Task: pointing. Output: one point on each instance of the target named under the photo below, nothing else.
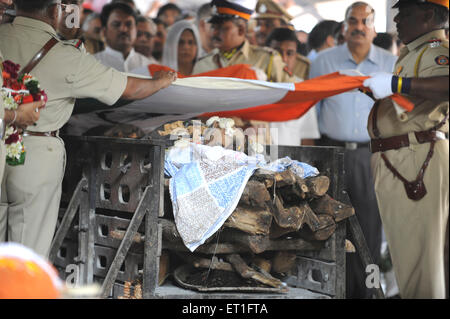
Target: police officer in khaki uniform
(31, 192)
(25, 115)
(410, 150)
(269, 16)
(229, 24)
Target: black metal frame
(142, 172)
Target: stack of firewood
(279, 214)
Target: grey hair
(358, 4)
(204, 12)
(141, 19)
(88, 20)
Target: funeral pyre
(277, 213)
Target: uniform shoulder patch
(77, 43)
(434, 43)
(285, 69)
(441, 60)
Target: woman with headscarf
(181, 49)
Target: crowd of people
(97, 59)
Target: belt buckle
(351, 146)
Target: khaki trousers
(2, 158)
(415, 230)
(31, 194)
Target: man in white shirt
(119, 26)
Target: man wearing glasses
(343, 121)
(146, 32)
(31, 192)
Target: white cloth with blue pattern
(207, 184)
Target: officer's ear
(428, 15)
(55, 14)
(103, 32)
(242, 28)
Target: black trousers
(359, 186)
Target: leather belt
(326, 141)
(47, 134)
(396, 142)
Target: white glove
(351, 72)
(380, 84)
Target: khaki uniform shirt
(2, 142)
(2, 108)
(265, 59)
(301, 69)
(67, 72)
(421, 58)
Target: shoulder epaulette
(207, 55)
(265, 49)
(303, 59)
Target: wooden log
(291, 218)
(301, 184)
(120, 234)
(283, 261)
(262, 174)
(246, 272)
(280, 179)
(326, 229)
(327, 205)
(255, 194)
(164, 267)
(291, 195)
(199, 262)
(285, 178)
(207, 249)
(262, 264)
(253, 221)
(310, 217)
(277, 231)
(317, 186)
(259, 244)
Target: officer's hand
(380, 84)
(29, 113)
(165, 78)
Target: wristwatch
(2, 129)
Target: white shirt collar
(119, 54)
